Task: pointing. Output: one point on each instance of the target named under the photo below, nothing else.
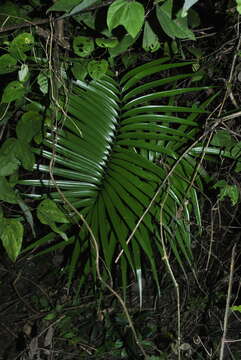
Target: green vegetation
(112, 134)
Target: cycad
(113, 151)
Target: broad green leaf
(7, 64)
(173, 28)
(63, 5)
(24, 153)
(106, 43)
(83, 45)
(130, 14)
(43, 82)
(48, 213)
(150, 39)
(23, 74)
(21, 43)
(6, 192)
(12, 237)
(13, 91)
(29, 126)
(97, 68)
(187, 5)
(181, 28)
(79, 69)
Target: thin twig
(227, 308)
(175, 283)
(228, 92)
(27, 23)
(21, 298)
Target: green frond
(113, 152)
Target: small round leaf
(48, 213)
(83, 46)
(23, 42)
(97, 69)
(79, 70)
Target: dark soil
(40, 319)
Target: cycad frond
(114, 150)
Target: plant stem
(227, 308)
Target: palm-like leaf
(114, 150)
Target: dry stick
(166, 259)
(211, 239)
(227, 310)
(94, 241)
(228, 92)
(191, 185)
(27, 23)
(20, 297)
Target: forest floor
(40, 319)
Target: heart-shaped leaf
(83, 45)
(97, 69)
(130, 14)
(13, 91)
(11, 234)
